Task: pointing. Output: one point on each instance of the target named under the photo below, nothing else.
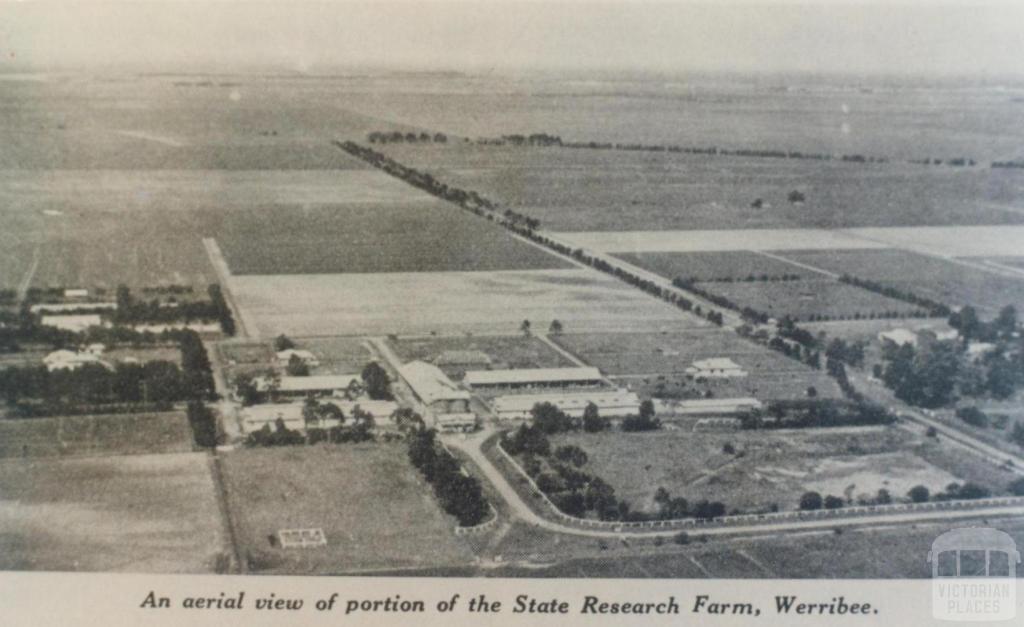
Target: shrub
(681, 538)
(810, 501)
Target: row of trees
(518, 223)
(469, 200)
(398, 137)
(458, 493)
(932, 307)
(816, 412)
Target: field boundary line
(26, 281)
(227, 519)
(831, 275)
(220, 266)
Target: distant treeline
(398, 137)
(544, 139)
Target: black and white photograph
(516, 290)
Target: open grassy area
(370, 239)
(768, 468)
(115, 434)
(140, 513)
(512, 351)
(713, 265)
(608, 190)
(373, 508)
(447, 303)
(654, 363)
(943, 280)
(804, 300)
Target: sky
(908, 37)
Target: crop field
(645, 361)
(734, 265)
(364, 497)
(129, 191)
(516, 351)
(768, 468)
(943, 280)
(332, 239)
(807, 300)
(140, 513)
(447, 303)
(614, 190)
(114, 434)
(169, 122)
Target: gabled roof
(430, 384)
(716, 363)
(320, 383)
(531, 375)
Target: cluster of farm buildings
(503, 394)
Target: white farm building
(445, 401)
(716, 368)
(610, 403)
(520, 378)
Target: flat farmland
(515, 351)
(943, 280)
(615, 190)
(806, 300)
(796, 114)
(447, 303)
(127, 191)
(643, 361)
(713, 265)
(364, 497)
(770, 468)
(718, 240)
(114, 434)
(378, 239)
(104, 248)
(174, 122)
(142, 513)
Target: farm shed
(610, 404)
(73, 323)
(716, 368)
(323, 385)
(534, 378)
(714, 406)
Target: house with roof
(716, 368)
(899, 337)
(284, 357)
